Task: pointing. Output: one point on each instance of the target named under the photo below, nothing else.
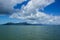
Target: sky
(30, 11)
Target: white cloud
(30, 13)
(38, 18)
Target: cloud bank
(30, 13)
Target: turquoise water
(29, 32)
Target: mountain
(23, 23)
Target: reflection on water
(29, 32)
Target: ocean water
(29, 32)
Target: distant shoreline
(24, 23)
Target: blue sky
(52, 9)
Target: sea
(29, 32)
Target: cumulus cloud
(30, 13)
(38, 18)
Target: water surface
(29, 32)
